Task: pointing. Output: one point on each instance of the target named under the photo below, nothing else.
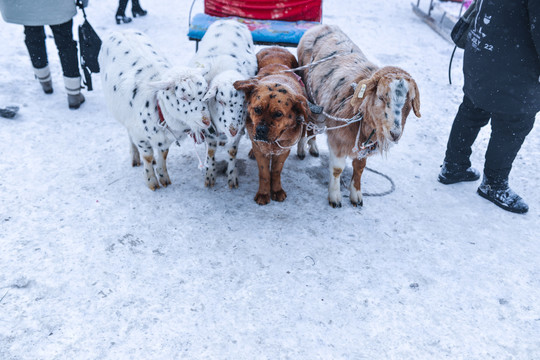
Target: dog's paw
(355, 196)
(152, 184)
(314, 152)
(164, 180)
(136, 162)
(279, 195)
(262, 199)
(210, 181)
(334, 199)
(301, 156)
(233, 182)
(357, 203)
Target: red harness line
(161, 118)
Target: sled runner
(439, 18)
(278, 22)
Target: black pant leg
(508, 132)
(122, 8)
(67, 48)
(467, 124)
(34, 38)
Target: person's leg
(35, 43)
(67, 50)
(508, 132)
(136, 9)
(467, 124)
(121, 12)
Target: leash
(384, 193)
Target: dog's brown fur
(277, 109)
(329, 85)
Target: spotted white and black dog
(156, 102)
(226, 54)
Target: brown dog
(277, 108)
(348, 85)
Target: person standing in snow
(58, 14)
(501, 68)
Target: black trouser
(67, 47)
(123, 4)
(508, 131)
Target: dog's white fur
(135, 80)
(226, 54)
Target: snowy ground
(93, 265)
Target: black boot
(453, 173)
(501, 195)
(121, 17)
(136, 9)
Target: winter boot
(136, 9)
(73, 89)
(502, 196)
(453, 173)
(44, 77)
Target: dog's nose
(261, 132)
(395, 135)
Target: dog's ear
(414, 95)
(301, 109)
(363, 89)
(211, 93)
(162, 85)
(247, 86)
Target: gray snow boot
(73, 89)
(502, 196)
(44, 77)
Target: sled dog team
(226, 88)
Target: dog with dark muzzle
(277, 108)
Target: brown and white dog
(347, 85)
(277, 109)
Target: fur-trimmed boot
(44, 77)
(73, 89)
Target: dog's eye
(258, 110)
(381, 98)
(278, 114)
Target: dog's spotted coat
(135, 80)
(225, 55)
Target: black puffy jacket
(502, 57)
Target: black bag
(89, 46)
(461, 28)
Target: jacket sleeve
(534, 20)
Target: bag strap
(470, 12)
(80, 5)
(87, 78)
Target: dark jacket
(502, 57)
